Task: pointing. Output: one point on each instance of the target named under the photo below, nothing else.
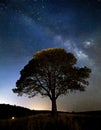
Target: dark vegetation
(7, 111)
(26, 119)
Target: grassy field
(63, 121)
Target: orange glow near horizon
(40, 106)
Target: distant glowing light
(87, 44)
(13, 118)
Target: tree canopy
(52, 73)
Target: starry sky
(27, 26)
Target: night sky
(27, 26)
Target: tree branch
(48, 93)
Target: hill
(8, 111)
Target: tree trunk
(54, 106)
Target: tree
(52, 73)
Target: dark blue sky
(27, 26)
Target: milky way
(27, 26)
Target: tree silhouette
(52, 73)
